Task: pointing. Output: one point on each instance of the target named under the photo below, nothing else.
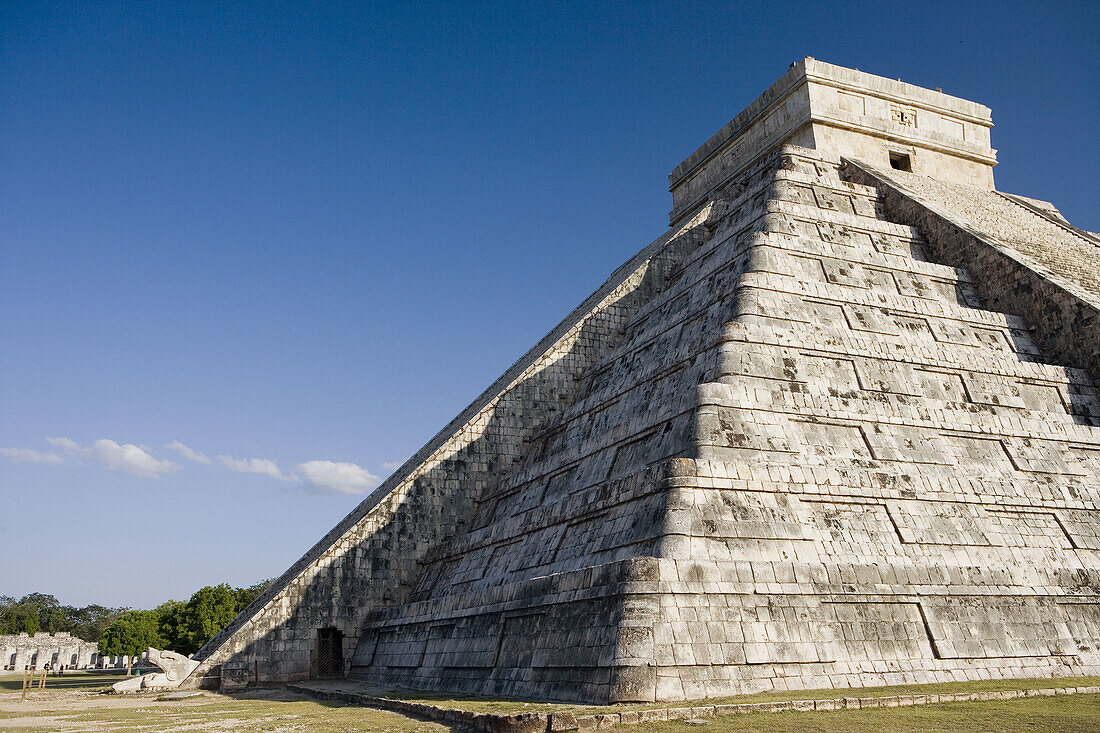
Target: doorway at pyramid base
(694, 622)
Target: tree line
(36, 612)
(177, 625)
(182, 626)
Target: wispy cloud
(344, 478)
(26, 455)
(261, 466)
(69, 446)
(137, 460)
(133, 459)
(187, 452)
(392, 466)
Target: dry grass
(279, 711)
(271, 710)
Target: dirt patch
(38, 722)
(273, 710)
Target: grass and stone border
(475, 716)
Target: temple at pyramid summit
(839, 426)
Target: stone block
(563, 721)
(235, 675)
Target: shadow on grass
(13, 682)
(508, 706)
(281, 694)
(1064, 714)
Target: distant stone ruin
(838, 427)
(22, 651)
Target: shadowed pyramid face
(808, 438)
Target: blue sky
(252, 256)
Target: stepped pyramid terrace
(839, 426)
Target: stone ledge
(569, 721)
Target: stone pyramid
(838, 427)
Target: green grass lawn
(1064, 714)
(495, 705)
(279, 711)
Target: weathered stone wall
(892, 483)
(370, 560)
(847, 112)
(876, 466)
(1028, 264)
(19, 651)
(822, 434)
(587, 497)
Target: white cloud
(135, 460)
(69, 446)
(130, 458)
(26, 455)
(188, 452)
(392, 466)
(345, 478)
(260, 466)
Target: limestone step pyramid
(838, 427)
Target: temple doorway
(330, 652)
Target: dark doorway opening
(330, 653)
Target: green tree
(32, 613)
(89, 622)
(7, 615)
(51, 616)
(207, 612)
(42, 612)
(249, 594)
(181, 627)
(26, 619)
(172, 620)
(131, 634)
